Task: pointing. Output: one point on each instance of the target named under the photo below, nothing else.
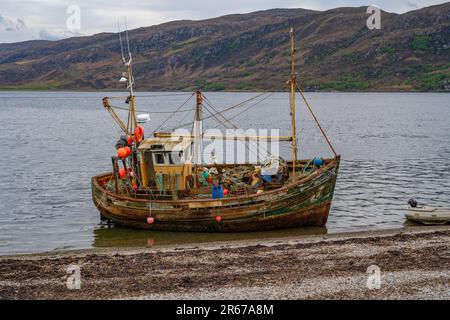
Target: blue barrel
(220, 192)
(214, 192)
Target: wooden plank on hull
(205, 204)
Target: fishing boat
(162, 182)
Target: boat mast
(197, 132)
(294, 131)
(132, 113)
(132, 122)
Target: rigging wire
(120, 40)
(173, 113)
(217, 113)
(96, 98)
(221, 123)
(128, 40)
(156, 112)
(315, 119)
(251, 106)
(225, 110)
(187, 112)
(236, 127)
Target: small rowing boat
(428, 215)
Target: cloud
(57, 34)
(47, 19)
(11, 24)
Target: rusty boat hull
(305, 202)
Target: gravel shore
(414, 263)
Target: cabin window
(159, 158)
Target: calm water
(394, 146)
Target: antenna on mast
(130, 60)
(128, 41)
(120, 40)
(128, 77)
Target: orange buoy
(150, 220)
(138, 134)
(218, 218)
(122, 173)
(209, 180)
(128, 150)
(122, 153)
(225, 192)
(130, 140)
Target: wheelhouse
(165, 162)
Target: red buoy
(128, 150)
(150, 220)
(138, 134)
(135, 186)
(122, 173)
(225, 192)
(130, 140)
(218, 218)
(122, 153)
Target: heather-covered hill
(336, 51)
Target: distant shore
(413, 262)
(3, 89)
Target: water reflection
(116, 236)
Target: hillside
(336, 51)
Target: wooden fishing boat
(164, 185)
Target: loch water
(394, 146)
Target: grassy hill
(336, 51)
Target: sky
(22, 20)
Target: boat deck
(304, 168)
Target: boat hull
(429, 216)
(305, 202)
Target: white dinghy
(427, 215)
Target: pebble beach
(413, 263)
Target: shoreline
(239, 243)
(215, 91)
(414, 264)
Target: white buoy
(143, 118)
